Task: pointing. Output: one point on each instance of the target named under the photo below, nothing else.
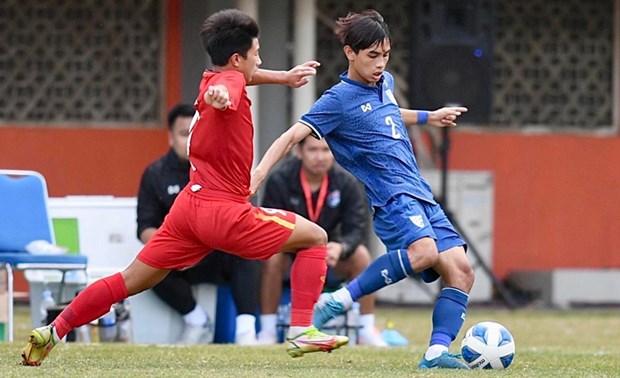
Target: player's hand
(334, 250)
(218, 97)
(256, 180)
(299, 75)
(445, 117)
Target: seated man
(312, 186)
(161, 183)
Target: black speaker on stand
(452, 55)
(452, 65)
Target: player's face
(177, 136)
(367, 65)
(250, 63)
(316, 157)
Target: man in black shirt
(312, 186)
(161, 183)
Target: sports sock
(367, 321)
(435, 351)
(196, 317)
(268, 323)
(245, 323)
(385, 270)
(448, 315)
(90, 304)
(295, 331)
(343, 296)
(307, 279)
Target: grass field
(579, 343)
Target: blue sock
(387, 269)
(448, 315)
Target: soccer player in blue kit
(366, 131)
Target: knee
(463, 272)
(466, 276)
(320, 236)
(461, 278)
(457, 271)
(423, 254)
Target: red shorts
(199, 223)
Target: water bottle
(353, 322)
(46, 303)
(107, 326)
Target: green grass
(580, 343)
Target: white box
(564, 288)
(154, 322)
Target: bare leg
(272, 275)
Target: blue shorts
(406, 219)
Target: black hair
(179, 110)
(228, 32)
(362, 30)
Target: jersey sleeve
(325, 115)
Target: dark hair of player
(362, 30)
(228, 32)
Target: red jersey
(220, 144)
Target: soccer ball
(488, 345)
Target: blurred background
(533, 166)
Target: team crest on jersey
(333, 199)
(417, 220)
(390, 95)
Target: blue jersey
(364, 129)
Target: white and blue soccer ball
(488, 345)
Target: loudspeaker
(452, 56)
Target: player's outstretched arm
(295, 77)
(439, 118)
(278, 149)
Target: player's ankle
(343, 296)
(435, 351)
(295, 331)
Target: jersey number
(390, 122)
(274, 211)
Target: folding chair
(24, 218)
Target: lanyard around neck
(314, 212)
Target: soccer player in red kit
(213, 210)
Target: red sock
(90, 304)
(307, 280)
